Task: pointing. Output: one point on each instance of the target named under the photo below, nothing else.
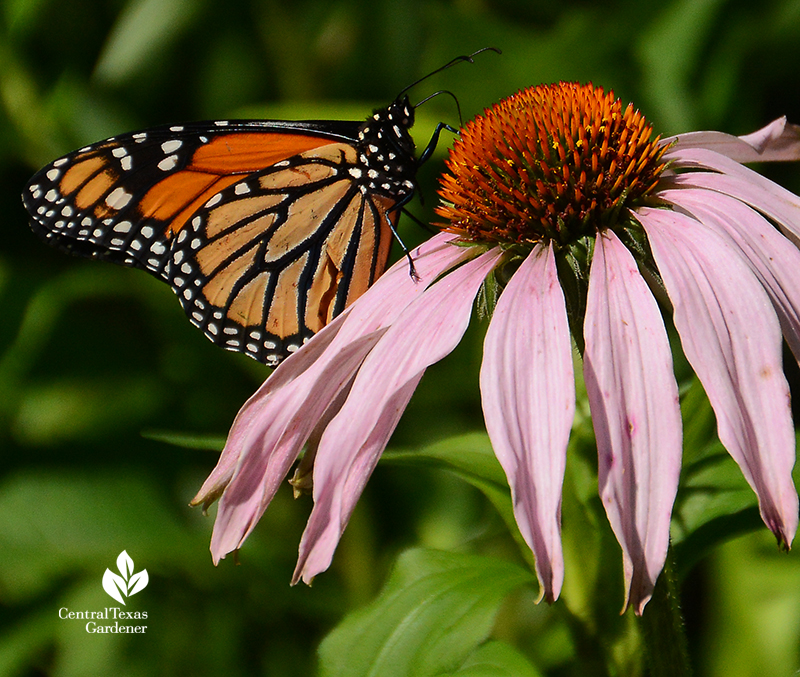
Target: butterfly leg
(424, 157)
(429, 149)
(412, 271)
(426, 154)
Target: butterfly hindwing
(269, 260)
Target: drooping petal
(275, 423)
(778, 141)
(528, 396)
(248, 415)
(281, 425)
(774, 259)
(740, 182)
(731, 337)
(426, 331)
(633, 398)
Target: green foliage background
(96, 362)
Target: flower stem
(663, 628)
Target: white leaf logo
(126, 583)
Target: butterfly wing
(261, 228)
(112, 199)
(272, 258)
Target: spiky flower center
(551, 163)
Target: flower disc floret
(553, 163)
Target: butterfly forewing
(265, 230)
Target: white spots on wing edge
(214, 200)
(171, 146)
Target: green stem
(663, 628)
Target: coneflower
(573, 214)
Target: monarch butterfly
(265, 229)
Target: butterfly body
(265, 230)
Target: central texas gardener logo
(126, 583)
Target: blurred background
(98, 363)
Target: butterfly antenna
(452, 62)
(454, 97)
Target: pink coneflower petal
(740, 182)
(774, 259)
(528, 395)
(731, 337)
(635, 411)
(426, 331)
(277, 421)
(249, 416)
(284, 423)
(777, 141)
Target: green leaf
(436, 608)
(699, 423)
(141, 33)
(496, 659)
(472, 458)
(469, 455)
(714, 504)
(670, 51)
(186, 440)
(20, 14)
(73, 409)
